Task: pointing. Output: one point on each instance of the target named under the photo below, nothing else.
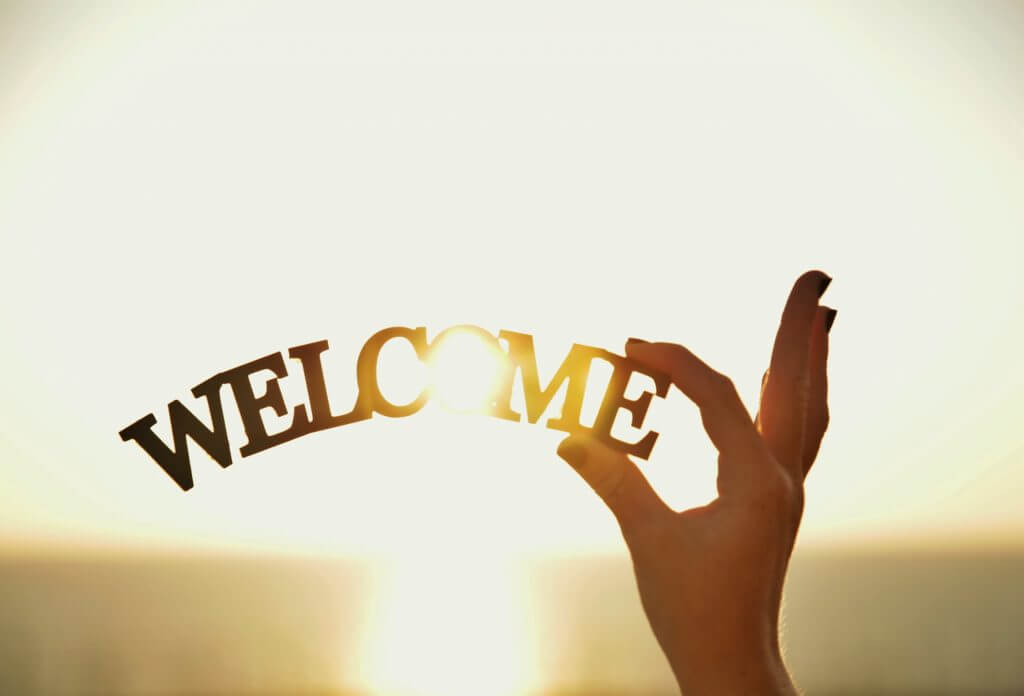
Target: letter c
(366, 370)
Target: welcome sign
(491, 393)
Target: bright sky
(185, 191)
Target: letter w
(184, 424)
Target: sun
(467, 366)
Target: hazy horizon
(856, 624)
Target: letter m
(575, 370)
(184, 425)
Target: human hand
(710, 578)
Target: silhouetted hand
(710, 578)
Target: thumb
(617, 480)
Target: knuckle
(609, 485)
(724, 384)
(817, 424)
(784, 494)
(791, 501)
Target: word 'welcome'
(317, 414)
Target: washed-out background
(184, 188)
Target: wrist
(727, 668)
(765, 677)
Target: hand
(710, 578)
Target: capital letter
(184, 424)
(575, 369)
(250, 405)
(316, 388)
(615, 398)
(366, 369)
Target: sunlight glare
(466, 365)
(450, 627)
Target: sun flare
(466, 367)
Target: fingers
(817, 400)
(617, 480)
(784, 403)
(725, 419)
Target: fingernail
(573, 453)
(635, 340)
(829, 318)
(824, 285)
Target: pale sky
(182, 191)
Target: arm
(710, 578)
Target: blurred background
(186, 187)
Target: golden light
(466, 366)
(450, 624)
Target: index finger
(725, 419)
